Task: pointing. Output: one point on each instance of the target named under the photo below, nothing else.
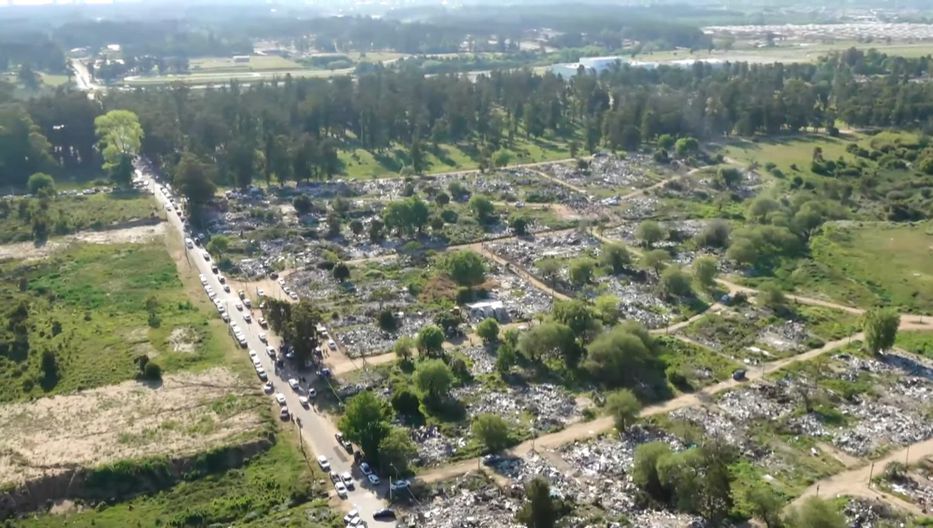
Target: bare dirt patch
(130, 235)
(184, 340)
(188, 413)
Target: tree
(406, 403)
(465, 267)
(549, 268)
(772, 297)
(488, 330)
(578, 316)
(550, 339)
(505, 358)
(396, 451)
(614, 257)
(491, 431)
(341, 272)
(816, 513)
(686, 146)
(649, 232)
(728, 177)
(705, 269)
(119, 137)
(482, 208)
(434, 379)
(655, 259)
(624, 407)
(620, 357)
(366, 422)
(302, 204)
(501, 158)
(645, 468)
(675, 282)
(607, 308)
(194, 178)
(764, 504)
(41, 182)
(50, 370)
(519, 224)
(356, 227)
(539, 510)
(218, 245)
(714, 235)
(403, 348)
(430, 340)
(880, 326)
(581, 271)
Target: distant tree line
(293, 129)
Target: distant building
(241, 59)
(598, 65)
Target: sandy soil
(123, 421)
(130, 235)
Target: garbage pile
(521, 300)
(482, 361)
(715, 423)
(878, 425)
(789, 336)
(551, 407)
(359, 336)
(639, 301)
(758, 400)
(868, 513)
(433, 446)
(612, 456)
(466, 504)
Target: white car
(293, 296)
(348, 518)
(322, 461)
(268, 387)
(203, 279)
(341, 489)
(281, 282)
(347, 479)
(293, 383)
(270, 351)
(365, 469)
(373, 479)
(227, 288)
(238, 306)
(261, 372)
(263, 338)
(253, 354)
(256, 363)
(206, 255)
(247, 317)
(303, 400)
(260, 293)
(280, 398)
(398, 485)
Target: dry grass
(188, 413)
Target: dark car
(384, 514)
(739, 375)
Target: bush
(152, 371)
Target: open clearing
(129, 235)
(874, 264)
(188, 413)
(90, 305)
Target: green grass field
(361, 164)
(788, 151)
(871, 264)
(810, 52)
(88, 305)
(261, 493)
(920, 343)
(256, 63)
(68, 214)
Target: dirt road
(585, 430)
(518, 270)
(855, 481)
